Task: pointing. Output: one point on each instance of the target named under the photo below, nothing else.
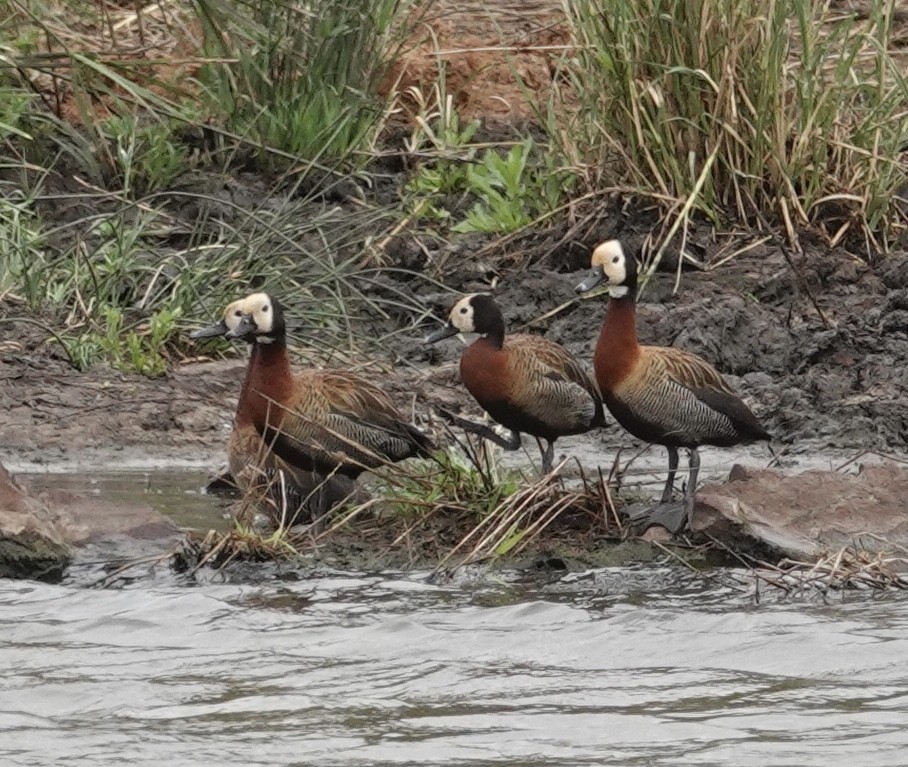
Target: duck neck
(268, 379)
(621, 320)
(617, 348)
(243, 416)
(495, 335)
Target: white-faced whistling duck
(527, 383)
(323, 422)
(253, 468)
(661, 395)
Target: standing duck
(527, 383)
(323, 422)
(662, 395)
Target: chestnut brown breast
(664, 395)
(269, 388)
(531, 385)
(484, 371)
(617, 351)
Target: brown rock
(31, 545)
(36, 531)
(807, 514)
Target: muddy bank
(837, 380)
(819, 349)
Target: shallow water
(630, 666)
(176, 491)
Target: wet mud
(820, 353)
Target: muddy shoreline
(817, 345)
(838, 381)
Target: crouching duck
(321, 423)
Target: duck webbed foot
(672, 515)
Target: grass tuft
(218, 550)
(116, 214)
(128, 281)
(791, 109)
(461, 507)
(301, 78)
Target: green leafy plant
(22, 245)
(509, 190)
(145, 349)
(136, 348)
(15, 104)
(514, 188)
(444, 144)
(144, 158)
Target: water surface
(632, 667)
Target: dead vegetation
(460, 508)
(881, 568)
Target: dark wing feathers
(341, 422)
(556, 358)
(679, 398)
(690, 370)
(552, 387)
(735, 410)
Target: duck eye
(615, 260)
(463, 309)
(237, 313)
(264, 308)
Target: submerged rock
(38, 532)
(31, 544)
(808, 514)
(88, 520)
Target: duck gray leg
(671, 515)
(672, 470)
(481, 430)
(693, 463)
(316, 504)
(548, 454)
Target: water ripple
(396, 670)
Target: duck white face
(231, 320)
(259, 308)
(233, 314)
(609, 256)
(462, 315)
(610, 263)
(255, 318)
